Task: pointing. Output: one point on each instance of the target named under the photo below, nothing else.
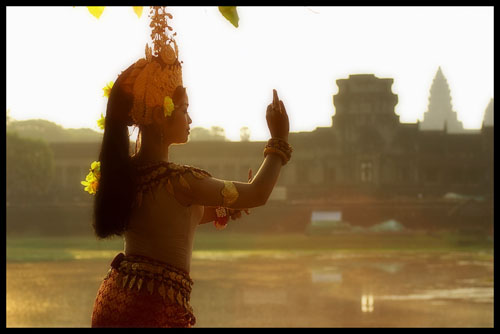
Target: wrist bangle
(279, 147)
(282, 145)
(272, 150)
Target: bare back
(162, 224)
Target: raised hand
(277, 118)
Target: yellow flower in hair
(92, 179)
(107, 89)
(95, 168)
(168, 106)
(90, 186)
(100, 122)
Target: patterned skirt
(141, 292)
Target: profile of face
(176, 127)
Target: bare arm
(208, 191)
(269, 171)
(267, 176)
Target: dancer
(156, 204)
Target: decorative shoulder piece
(197, 172)
(161, 174)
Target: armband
(229, 194)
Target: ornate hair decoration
(154, 78)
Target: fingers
(269, 110)
(283, 110)
(235, 215)
(276, 100)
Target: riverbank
(32, 249)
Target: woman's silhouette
(156, 204)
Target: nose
(189, 120)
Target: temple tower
(488, 115)
(440, 115)
(364, 125)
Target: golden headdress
(153, 79)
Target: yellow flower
(92, 179)
(95, 168)
(90, 187)
(138, 10)
(107, 89)
(168, 106)
(96, 10)
(100, 122)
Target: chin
(182, 141)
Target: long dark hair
(115, 193)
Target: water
(362, 288)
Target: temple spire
(440, 109)
(488, 114)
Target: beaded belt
(170, 282)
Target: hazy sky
(60, 58)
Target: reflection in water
(367, 303)
(326, 290)
(477, 295)
(391, 268)
(253, 296)
(327, 274)
(298, 290)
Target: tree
(51, 132)
(218, 133)
(245, 134)
(199, 134)
(30, 168)
(215, 133)
(9, 119)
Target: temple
(440, 114)
(367, 163)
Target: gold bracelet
(272, 150)
(281, 145)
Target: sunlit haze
(60, 58)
